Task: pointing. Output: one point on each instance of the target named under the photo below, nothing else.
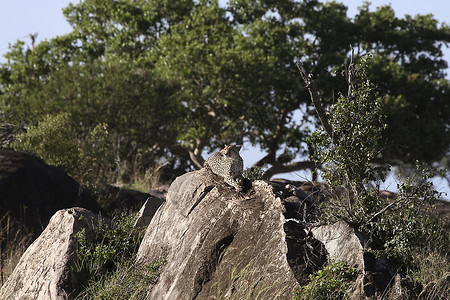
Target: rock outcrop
(217, 243)
(147, 211)
(32, 191)
(45, 269)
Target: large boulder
(45, 269)
(218, 243)
(32, 191)
(376, 277)
(117, 200)
(147, 211)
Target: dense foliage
(173, 80)
(401, 227)
(333, 282)
(55, 141)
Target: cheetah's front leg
(234, 182)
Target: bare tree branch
(350, 74)
(184, 152)
(268, 159)
(311, 86)
(196, 159)
(383, 210)
(286, 168)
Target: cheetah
(227, 163)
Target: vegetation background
(281, 150)
(137, 87)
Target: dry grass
(433, 273)
(14, 240)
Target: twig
(384, 209)
(350, 74)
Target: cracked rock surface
(218, 243)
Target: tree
(403, 227)
(408, 66)
(200, 54)
(61, 75)
(176, 79)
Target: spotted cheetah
(227, 163)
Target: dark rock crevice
(203, 194)
(305, 255)
(209, 266)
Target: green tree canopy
(175, 79)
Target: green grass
(128, 282)
(105, 265)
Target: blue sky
(20, 18)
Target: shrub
(56, 141)
(53, 140)
(408, 225)
(348, 152)
(349, 148)
(332, 282)
(104, 246)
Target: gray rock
(147, 211)
(342, 242)
(45, 269)
(31, 192)
(221, 244)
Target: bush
(53, 140)
(349, 148)
(56, 141)
(104, 246)
(408, 225)
(332, 282)
(347, 154)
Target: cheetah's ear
(225, 149)
(238, 147)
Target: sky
(20, 18)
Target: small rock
(45, 269)
(344, 243)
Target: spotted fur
(227, 163)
